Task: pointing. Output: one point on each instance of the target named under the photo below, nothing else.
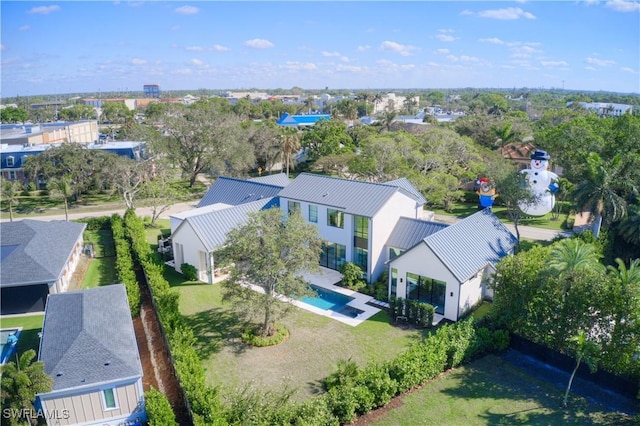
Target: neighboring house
(448, 268)
(85, 131)
(13, 157)
(37, 258)
(606, 109)
(89, 349)
(237, 191)
(198, 236)
(355, 218)
(307, 120)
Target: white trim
(104, 399)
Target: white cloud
(466, 12)
(599, 62)
(175, 28)
(135, 3)
(402, 49)
(344, 59)
(44, 10)
(138, 61)
(462, 58)
(554, 64)
(219, 48)
(363, 48)
(194, 48)
(182, 71)
(349, 68)
(24, 28)
(590, 68)
(445, 37)
(325, 53)
(291, 65)
(441, 51)
(508, 13)
(196, 62)
(623, 6)
(627, 69)
(187, 10)
(259, 43)
(492, 40)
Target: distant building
(287, 120)
(85, 131)
(606, 109)
(151, 90)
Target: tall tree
(21, 381)
(570, 256)
(271, 253)
(289, 144)
(326, 137)
(629, 228)
(62, 187)
(598, 193)
(10, 194)
(514, 192)
(585, 350)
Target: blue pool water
(6, 350)
(331, 301)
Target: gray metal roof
(278, 179)
(35, 251)
(237, 191)
(408, 232)
(212, 228)
(408, 186)
(352, 196)
(470, 244)
(88, 338)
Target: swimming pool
(7, 350)
(328, 300)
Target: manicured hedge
(124, 265)
(159, 411)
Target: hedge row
(124, 265)
(413, 311)
(159, 411)
(204, 400)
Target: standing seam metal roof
(237, 191)
(408, 232)
(40, 250)
(352, 196)
(88, 338)
(212, 228)
(470, 244)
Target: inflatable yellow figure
(487, 193)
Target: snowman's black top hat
(540, 155)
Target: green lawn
(31, 326)
(490, 391)
(101, 270)
(461, 210)
(316, 343)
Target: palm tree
(377, 98)
(630, 227)
(62, 187)
(21, 382)
(598, 193)
(571, 256)
(10, 192)
(289, 144)
(628, 280)
(585, 350)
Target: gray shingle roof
(352, 196)
(35, 251)
(212, 227)
(88, 338)
(278, 179)
(408, 232)
(237, 191)
(408, 186)
(470, 244)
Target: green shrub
(189, 271)
(251, 336)
(96, 223)
(426, 313)
(346, 372)
(343, 403)
(159, 411)
(352, 276)
(376, 379)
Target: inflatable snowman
(542, 183)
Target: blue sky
(74, 46)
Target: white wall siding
(471, 293)
(192, 246)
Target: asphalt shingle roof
(35, 251)
(88, 338)
(470, 244)
(212, 227)
(351, 196)
(237, 191)
(408, 232)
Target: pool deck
(327, 278)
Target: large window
(293, 206)
(333, 255)
(313, 213)
(361, 232)
(394, 252)
(394, 282)
(360, 258)
(109, 399)
(426, 290)
(335, 218)
(10, 162)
